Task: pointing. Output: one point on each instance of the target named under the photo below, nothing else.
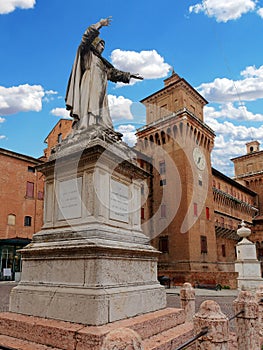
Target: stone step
(70, 336)
(65, 334)
(171, 338)
(19, 344)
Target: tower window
(203, 240)
(223, 250)
(162, 167)
(164, 244)
(59, 138)
(207, 213)
(142, 213)
(163, 182)
(195, 209)
(27, 221)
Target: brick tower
(179, 216)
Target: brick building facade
(21, 210)
(195, 210)
(190, 211)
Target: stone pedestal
(90, 264)
(247, 265)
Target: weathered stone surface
(187, 296)
(160, 328)
(122, 338)
(211, 316)
(247, 322)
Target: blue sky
(215, 45)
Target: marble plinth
(88, 282)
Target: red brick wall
(14, 176)
(178, 278)
(63, 127)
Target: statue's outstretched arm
(104, 22)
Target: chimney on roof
(252, 146)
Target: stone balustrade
(248, 314)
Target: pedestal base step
(170, 339)
(19, 344)
(158, 330)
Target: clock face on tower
(199, 158)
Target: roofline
(175, 83)
(246, 155)
(20, 156)
(233, 182)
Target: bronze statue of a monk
(86, 96)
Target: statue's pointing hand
(137, 76)
(104, 22)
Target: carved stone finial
(243, 231)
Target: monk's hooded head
(99, 44)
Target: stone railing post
(187, 296)
(211, 316)
(247, 322)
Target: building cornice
(233, 182)
(175, 115)
(248, 155)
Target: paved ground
(224, 297)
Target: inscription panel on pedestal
(119, 201)
(69, 199)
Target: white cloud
(238, 132)
(49, 95)
(2, 137)
(60, 112)
(128, 132)
(229, 111)
(2, 120)
(260, 12)
(22, 98)
(7, 6)
(230, 142)
(120, 107)
(224, 10)
(227, 90)
(149, 64)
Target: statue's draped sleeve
(116, 75)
